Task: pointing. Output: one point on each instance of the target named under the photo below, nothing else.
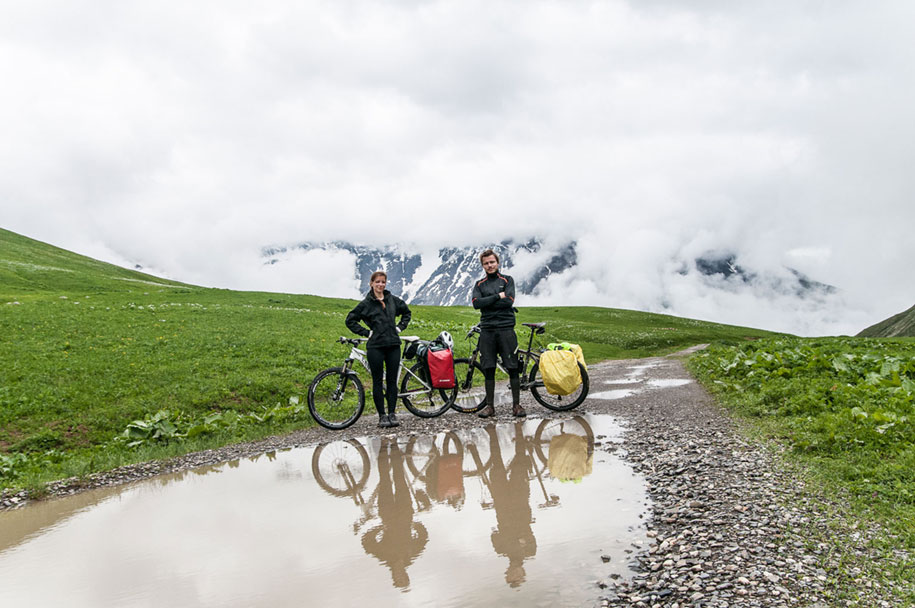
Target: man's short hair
(488, 253)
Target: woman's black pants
(381, 358)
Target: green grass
(88, 349)
(845, 410)
(102, 366)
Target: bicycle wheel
(559, 403)
(335, 399)
(341, 468)
(471, 394)
(550, 428)
(419, 396)
(423, 450)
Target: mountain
(447, 278)
(897, 326)
(723, 270)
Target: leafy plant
(845, 404)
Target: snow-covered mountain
(445, 278)
(723, 270)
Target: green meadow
(103, 366)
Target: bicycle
(336, 396)
(471, 397)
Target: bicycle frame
(357, 354)
(525, 356)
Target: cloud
(185, 137)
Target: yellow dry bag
(559, 371)
(575, 348)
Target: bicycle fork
(344, 377)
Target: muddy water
(533, 513)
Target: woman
(379, 311)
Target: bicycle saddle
(537, 327)
(409, 338)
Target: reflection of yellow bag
(560, 373)
(569, 459)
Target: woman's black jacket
(382, 321)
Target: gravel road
(729, 526)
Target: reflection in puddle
(616, 394)
(668, 383)
(639, 370)
(517, 514)
(634, 378)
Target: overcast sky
(185, 136)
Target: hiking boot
(487, 411)
(518, 411)
(384, 421)
(392, 418)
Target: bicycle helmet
(446, 339)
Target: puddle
(513, 514)
(622, 393)
(615, 394)
(639, 370)
(668, 383)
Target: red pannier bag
(441, 368)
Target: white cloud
(185, 137)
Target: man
(513, 536)
(494, 297)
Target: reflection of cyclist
(398, 540)
(494, 297)
(511, 493)
(379, 310)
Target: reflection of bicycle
(473, 449)
(436, 460)
(336, 397)
(471, 395)
(341, 468)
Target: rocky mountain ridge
(897, 326)
(448, 279)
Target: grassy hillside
(86, 348)
(897, 326)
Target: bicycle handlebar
(353, 341)
(534, 327)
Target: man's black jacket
(495, 312)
